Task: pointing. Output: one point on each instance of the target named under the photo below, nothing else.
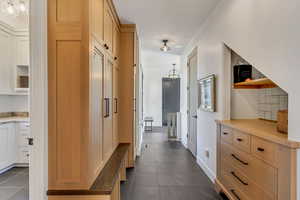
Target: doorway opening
(192, 94)
(15, 134)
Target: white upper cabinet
(6, 63)
(22, 51)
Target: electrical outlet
(207, 153)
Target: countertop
(14, 119)
(262, 129)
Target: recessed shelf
(256, 84)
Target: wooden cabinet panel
(264, 150)
(68, 115)
(227, 135)
(115, 106)
(68, 10)
(108, 28)
(116, 39)
(242, 141)
(108, 110)
(96, 111)
(98, 19)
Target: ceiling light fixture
(165, 46)
(174, 73)
(14, 7)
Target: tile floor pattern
(14, 184)
(166, 171)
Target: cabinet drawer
(260, 172)
(24, 126)
(248, 186)
(226, 134)
(264, 150)
(242, 141)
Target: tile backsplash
(270, 101)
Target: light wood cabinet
(127, 89)
(84, 90)
(115, 106)
(254, 161)
(109, 28)
(98, 19)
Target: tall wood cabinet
(85, 73)
(128, 62)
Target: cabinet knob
(239, 139)
(106, 46)
(116, 58)
(260, 149)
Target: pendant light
(165, 46)
(173, 73)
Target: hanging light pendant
(165, 46)
(14, 7)
(173, 73)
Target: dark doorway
(170, 97)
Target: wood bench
(106, 185)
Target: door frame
(194, 53)
(38, 98)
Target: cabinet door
(96, 111)
(108, 28)
(23, 51)
(115, 106)
(98, 19)
(6, 63)
(115, 41)
(7, 145)
(108, 101)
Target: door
(96, 112)
(170, 98)
(108, 101)
(192, 104)
(115, 106)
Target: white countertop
(14, 119)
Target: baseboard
(211, 175)
(12, 166)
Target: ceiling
(175, 20)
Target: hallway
(165, 171)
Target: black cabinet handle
(239, 139)
(225, 133)
(235, 157)
(260, 149)
(116, 105)
(235, 194)
(106, 101)
(116, 58)
(106, 46)
(239, 179)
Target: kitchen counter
(13, 119)
(262, 129)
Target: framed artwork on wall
(207, 93)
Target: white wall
(156, 65)
(266, 34)
(14, 103)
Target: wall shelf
(256, 84)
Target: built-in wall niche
(254, 95)
(22, 78)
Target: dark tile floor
(14, 184)
(166, 171)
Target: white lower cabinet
(14, 147)
(7, 145)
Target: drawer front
(226, 134)
(242, 141)
(260, 172)
(234, 190)
(24, 126)
(246, 185)
(264, 150)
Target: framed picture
(207, 93)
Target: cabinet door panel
(96, 111)
(98, 19)
(108, 110)
(6, 64)
(108, 28)
(115, 106)
(6, 144)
